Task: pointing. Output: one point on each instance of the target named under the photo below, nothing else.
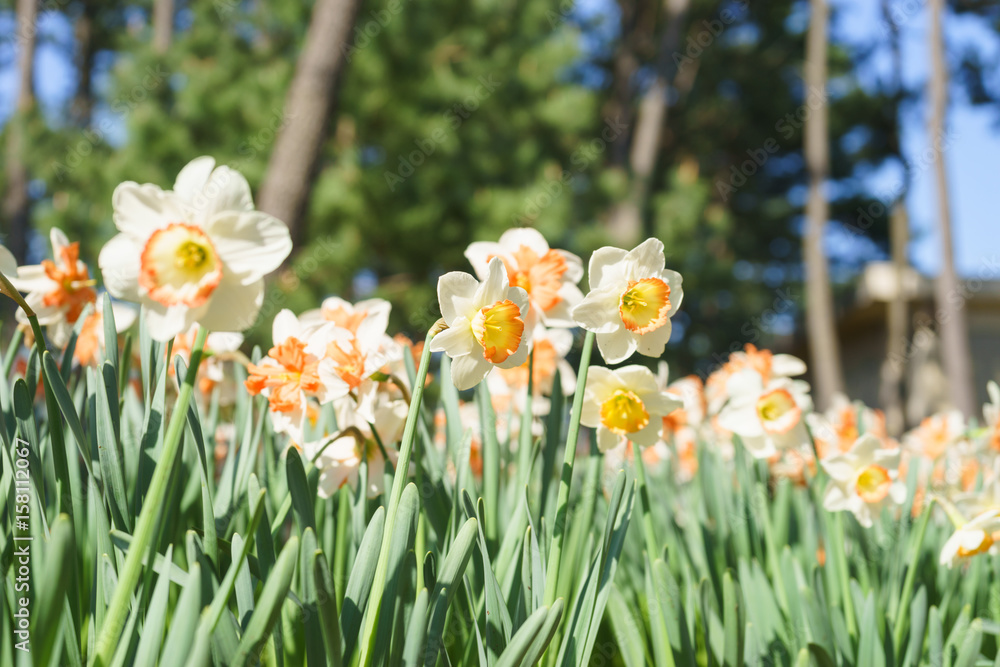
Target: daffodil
(978, 536)
(486, 324)
(289, 374)
(58, 289)
(90, 343)
(863, 480)
(549, 276)
(339, 458)
(632, 298)
(194, 254)
(767, 417)
(768, 365)
(625, 404)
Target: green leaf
(448, 580)
(360, 583)
(49, 605)
(184, 622)
(156, 618)
(416, 635)
(326, 603)
(268, 607)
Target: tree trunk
(16, 203)
(163, 25)
(820, 324)
(83, 31)
(625, 222)
(897, 326)
(949, 296)
(309, 106)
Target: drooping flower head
(486, 324)
(632, 297)
(625, 404)
(863, 480)
(58, 289)
(978, 536)
(194, 254)
(549, 276)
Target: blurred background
(821, 173)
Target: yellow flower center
(778, 411)
(179, 265)
(623, 412)
(191, 256)
(873, 483)
(498, 328)
(644, 305)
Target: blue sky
(975, 132)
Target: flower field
(528, 484)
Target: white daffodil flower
(625, 404)
(767, 417)
(980, 535)
(632, 298)
(486, 324)
(549, 276)
(57, 290)
(863, 480)
(194, 254)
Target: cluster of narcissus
(343, 403)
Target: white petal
(226, 190)
(8, 264)
(574, 267)
(835, 499)
(674, 282)
(598, 312)
(284, 326)
(645, 260)
(839, 467)
(165, 323)
(456, 291)
(648, 435)
(758, 446)
(456, 340)
(233, 306)
(607, 439)
(494, 287)
(469, 370)
(193, 177)
(787, 365)
(252, 244)
(654, 343)
(479, 255)
(606, 267)
(515, 237)
(617, 346)
(741, 420)
(58, 240)
(141, 209)
(119, 264)
(638, 379)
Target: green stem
(652, 547)
(118, 609)
(566, 478)
(398, 484)
(839, 548)
(910, 580)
